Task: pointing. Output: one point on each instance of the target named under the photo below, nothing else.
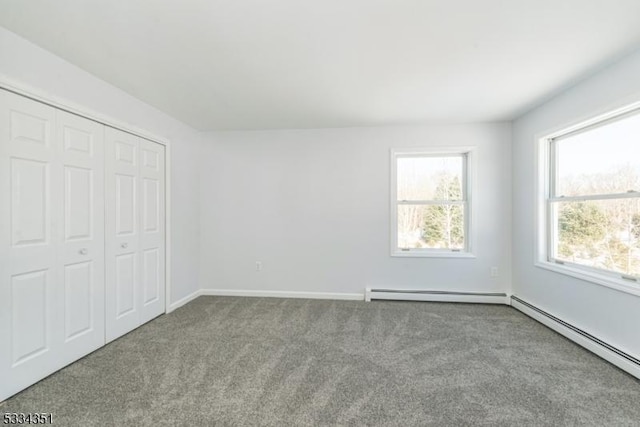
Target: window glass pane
(603, 160)
(430, 178)
(602, 234)
(431, 226)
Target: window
(430, 208)
(593, 197)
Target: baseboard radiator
(436, 296)
(619, 358)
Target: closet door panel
(125, 284)
(30, 337)
(125, 206)
(30, 219)
(152, 230)
(79, 292)
(81, 216)
(78, 197)
(123, 278)
(29, 183)
(151, 276)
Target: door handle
(124, 245)
(83, 251)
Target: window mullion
(552, 233)
(553, 168)
(431, 202)
(629, 195)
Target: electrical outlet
(494, 271)
(258, 265)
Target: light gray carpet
(261, 361)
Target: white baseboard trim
(282, 294)
(183, 301)
(609, 353)
(436, 296)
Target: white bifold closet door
(135, 231)
(51, 240)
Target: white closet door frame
(61, 103)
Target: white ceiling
(256, 64)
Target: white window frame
(468, 184)
(545, 197)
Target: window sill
(621, 285)
(431, 254)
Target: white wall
(610, 315)
(313, 207)
(26, 63)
